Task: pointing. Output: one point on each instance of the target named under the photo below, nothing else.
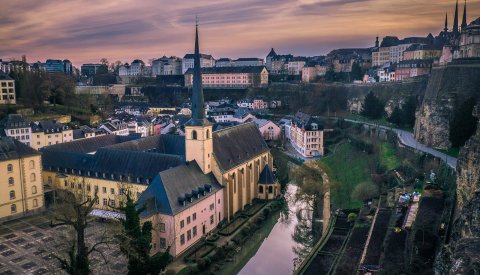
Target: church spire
(455, 20)
(464, 20)
(198, 111)
(446, 22)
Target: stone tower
(198, 130)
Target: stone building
(306, 135)
(231, 77)
(21, 178)
(7, 90)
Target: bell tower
(198, 130)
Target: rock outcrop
(461, 255)
(447, 88)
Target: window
(112, 191)
(188, 220)
(189, 235)
(32, 164)
(194, 216)
(9, 168)
(32, 177)
(88, 187)
(11, 181)
(163, 243)
(194, 230)
(162, 227)
(208, 134)
(49, 180)
(194, 134)
(34, 189)
(35, 203)
(12, 195)
(182, 239)
(105, 201)
(182, 224)
(13, 208)
(212, 219)
(260, 189)
(112, 203)
(270, 189)
(104, 190)
(212, 206)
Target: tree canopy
(372, 107)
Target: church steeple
(446, 23)
(455, 20)
(198, 111)
(198, 130)
(377, 43)
(464, 20)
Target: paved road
(407, 139)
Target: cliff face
(462, 256)
(447, 88)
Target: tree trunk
(82, 265)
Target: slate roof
(267, 177)
(4, 76)
(249, 59)
(223, 125)
(133, 166)
(305, 121)
(165, 144)
(48, 126)
(88, 145)
(166, 192)
(238, 144)
(11, 148)
(272, 53)
(14, 121)
(191, 56)
(229, 70)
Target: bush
(365, 191)
(351, 217)
(246, 230)
(204, 263)
(170, 272)
(266, 211)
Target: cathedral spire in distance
(455, 20)
(464, 20)
(446, 22)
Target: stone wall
(447, 88)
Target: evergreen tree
(136, 241)
(356, 71)
(372, 107)
(408, 110)
(463, 124)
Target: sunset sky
(87, 30)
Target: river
(282, 244)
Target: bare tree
(72, 210)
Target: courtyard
(26, 247)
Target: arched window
(34, 189)
(194, 134)
(260, 189)
(270, 189)
(12, 195)
(32, 164)
(35, 203)
(13, 208)
(10, 168)
(32, 177)
(208, 134)
(234, 184)
(11, 181)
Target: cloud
(87, 30)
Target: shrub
(266, 211)
(246, 230)
(351, 217)
(170, 272)
(365, 191)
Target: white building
(224, 62)
(115, 127)
(249, 61)
(231, 77)
(16, 127)
(306, 135)
(295, 66)
(206, 61)
(167, 66)
(137, 68)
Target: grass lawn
(388, 157)
(346, 168)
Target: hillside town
(360, 160)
